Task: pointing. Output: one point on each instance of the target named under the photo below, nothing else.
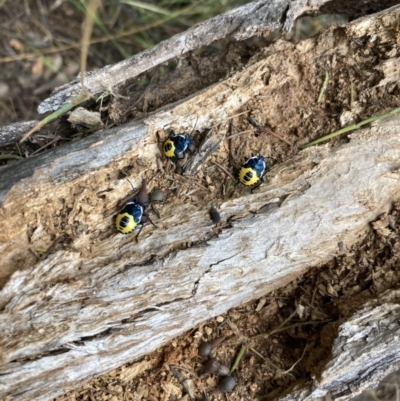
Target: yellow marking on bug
(169, 150)
(242, 173)
(129, 227)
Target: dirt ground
(288, 334)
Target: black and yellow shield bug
(175, 145)
(252, 171)
(133, 214)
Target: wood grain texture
(365, 351)
(103, 300)
(125, 302)
(14, 132)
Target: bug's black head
(192, 147)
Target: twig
(261, 356)
(269, 131)
(228, 118)
(266, 130)
(264, 358)
(315, 290)
(198, 182)
(224, 170)
(287, 371)
(238, 134)
(57, 138)
(275, 330)
(247, 340)
(280, 328)
(184, 369)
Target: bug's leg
(179, 157)
(197, 119)
(147, 217)
(140, 229)
(175, 159)
(255, 187)
(258, 184)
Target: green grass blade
(238, 359)
(78, 100)
(10, 156)
(353, 127)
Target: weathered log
(241, 23)
(366, 350)
(14, 132)
(97, 313)
(98, 299)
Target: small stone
(208, 330)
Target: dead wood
(80, 299)
(14, 132)
(241, 23)
(123, 302)
(366, 350)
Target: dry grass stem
(225, 171)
